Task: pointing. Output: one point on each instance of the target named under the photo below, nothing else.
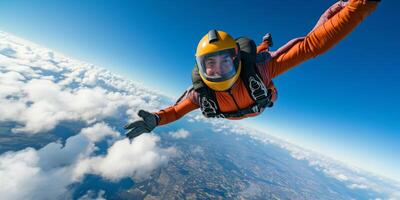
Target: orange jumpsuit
(337, 22)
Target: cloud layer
(26, 174)
(40, 89)
(179, 134)
(45, 88)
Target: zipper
(237, 106)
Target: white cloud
(46, 173)
(179, 134)
(357, 186)
(342, 177)
(91, 195)
(125, 159)
(50, 104)
(22, 177)
(45, 88)
(98, 132)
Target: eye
(211, 62)
(226, 59)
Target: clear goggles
(218, 66)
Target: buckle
(255, 109)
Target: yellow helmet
(218, 60)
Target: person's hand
(147, 124)
(268, 37)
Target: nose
(218, 67)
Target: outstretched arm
(184, 105)
(337, 22)
(150, 121)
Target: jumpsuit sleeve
(337, 22)
(185, 104)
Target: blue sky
(343, 104)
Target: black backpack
(249, 75)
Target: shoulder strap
(250, 74)
(207, 100)
(196, 79)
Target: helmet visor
(218, 66)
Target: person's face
(219, 65)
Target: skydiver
(232, 79)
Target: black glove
(149, 122)
(268, 37)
